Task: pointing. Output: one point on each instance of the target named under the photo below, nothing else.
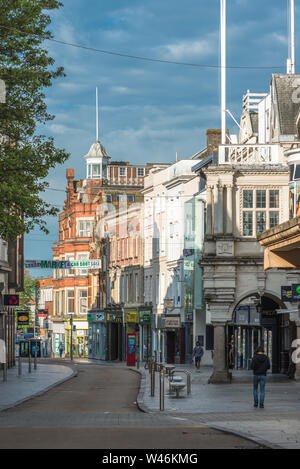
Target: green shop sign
(145, 316)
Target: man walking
(197, 354)
(60, 349)
(260, 364)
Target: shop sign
(188, 252)
(145, 316)
(42, 313)
(131, 316)
(113, 317)
(23, 318)
(188, 265)
(296, 292)
(172, 322)
(286, 293)
(57, 264)
(189, 316)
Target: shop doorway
(171, 346)
(254, 325)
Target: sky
(148, 111)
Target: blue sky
(149, 111)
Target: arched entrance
(256, 322)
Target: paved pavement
(227, 407)
(18, 389)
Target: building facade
(247, 193)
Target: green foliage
(25, 158)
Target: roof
(97, 150)
(288, 108)
(209, 159)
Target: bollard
(188, 383)
(35, 356)
(152, 380)
(138, 363)
(4, 372)
(19, 366)
(29, 363)
(162, 389)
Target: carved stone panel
(225, 248)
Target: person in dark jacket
(260, 365)
(197, 354)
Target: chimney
(213, 140)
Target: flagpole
(223, 69)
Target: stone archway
(255, 321)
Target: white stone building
(247, 193)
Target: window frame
(255, 208)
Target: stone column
(229, 210)
(209, 202)
(220, 374)
(218, 210)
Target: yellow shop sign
(132, 316)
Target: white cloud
(123, 90)
(183, 50)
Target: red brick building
(107, 185)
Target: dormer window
(93, 171)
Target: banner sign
(57, 264)
(23, 318)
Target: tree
(25, 157)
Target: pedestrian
(260, 364)
(231, 352)
(60, 349)
(197, 354)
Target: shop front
(174, 338)
(259, 326)
(78, 336)
(57, 334)
(97, 334)
(114, 334)
(145, 315)
(131, 322)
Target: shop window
(297, 172)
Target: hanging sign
(57, 264)
(23, 318)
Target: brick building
(107, 185)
